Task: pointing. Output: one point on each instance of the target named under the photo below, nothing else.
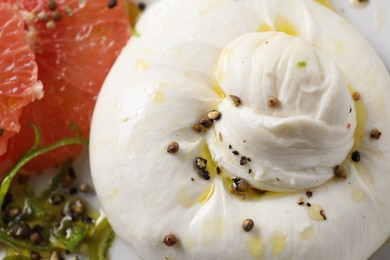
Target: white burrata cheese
(295, 66)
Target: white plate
(373, 20)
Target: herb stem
(34, 152)
(7, 240)
(102, 239)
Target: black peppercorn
(355, 156)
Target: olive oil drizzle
(70, 226)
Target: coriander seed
(68, 10)
(309, 194)
(273, 101)
(67, 181)
(51, 5)
(236, 100)
(84, 187)
(13, 212)
(170, 240)
(55, 256)
(36, 238)
(56, 199)
(21, 231)
(57, 16)
(205, 122)
(77, 208)
(173, 147)
(356, 96)
(240, 185)
(214, 115)
(51, 24)
(43, 16)
(35, 256)
(340, 172)
(248, 225)
(198, 128)
(375, 134)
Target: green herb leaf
(135, 33)
(66, 233)
(72, 234)
(301, 64)
(16, 257)
(34, 152)
(55, 183)
(101, 240)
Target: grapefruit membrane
(18, 73)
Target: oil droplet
(361, 117)
(278, 242)
(114, 195)
(217, 89)
(213, 230)
(188, 242)
(359, 3)
(358, 195)
(340, 47)
(227, 55)
(314, 212)
(158, 97)
(255, 246)
(188, 74)
(141, 65)
(132, 12)
(283, 25)
(184, 199)
(207, 194)
(219, 75)
(162, 85)
(265, 28)
(326, 3)
(307, 233)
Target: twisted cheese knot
(297, 118)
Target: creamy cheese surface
(295, 66)
(294, 143)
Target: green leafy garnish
(301, 64)
(58, 226)
(34, 152)
(103, 230)
(77, 233)
(135, 33)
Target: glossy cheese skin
(190, 56)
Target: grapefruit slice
(18, 73)
(75, 44)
